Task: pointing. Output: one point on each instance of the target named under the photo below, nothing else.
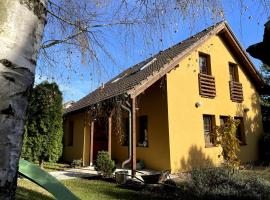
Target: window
(126, 131)
(207, 86)
(204, 64)
(240, 132)
(143, 131)
(223, 120)
(208, 124)
(236, 88)
(233, 72)
(70, 133)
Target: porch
(101, 135)
(143, 118)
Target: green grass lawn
(84, 189)
(29, 190)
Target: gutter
(129, 131)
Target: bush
(265, 148)
(104, 164)
(221, 183)
(76, 163)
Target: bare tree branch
(78, 26)
(62, 19)
(55, 42)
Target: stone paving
(88, 172)
(85, 172)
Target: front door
(100, 136)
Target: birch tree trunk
(21, 27)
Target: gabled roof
(136, 79)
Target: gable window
(204, 64)
(208, 125)
(207, 84)
(240, 131)
(236, 88)
(70, 133)
(143, 131)
(233, 72)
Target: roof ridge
(194, 35)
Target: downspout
(129, 133)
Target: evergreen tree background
(265, 71)
(265, 107)
(43, 129)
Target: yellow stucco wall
(186, 135)
(75, 151)
(86, 142)
(153, 104)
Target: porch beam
(133, 138)
(91, 142)
(110, 135)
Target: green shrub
(221, 183)
(76, 163)
(265, 148)
(104, 164)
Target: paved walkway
(86, 172)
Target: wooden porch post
(91, 142)
(110, 135)
(133, 139)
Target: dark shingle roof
(133, 76)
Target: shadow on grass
(99, 189)
(120, 193)
(26, 194)
(116, 191)
(56, 168)
(99, 178)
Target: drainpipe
(129, 132)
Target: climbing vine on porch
(110, 107)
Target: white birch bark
(21, 27)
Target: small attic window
(149, 63)
(116, 80)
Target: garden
(217, 183)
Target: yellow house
(161, 110)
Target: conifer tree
(43, 130)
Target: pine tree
(265, 71)
(43, 129)
(265, 97)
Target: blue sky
(76, 82)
